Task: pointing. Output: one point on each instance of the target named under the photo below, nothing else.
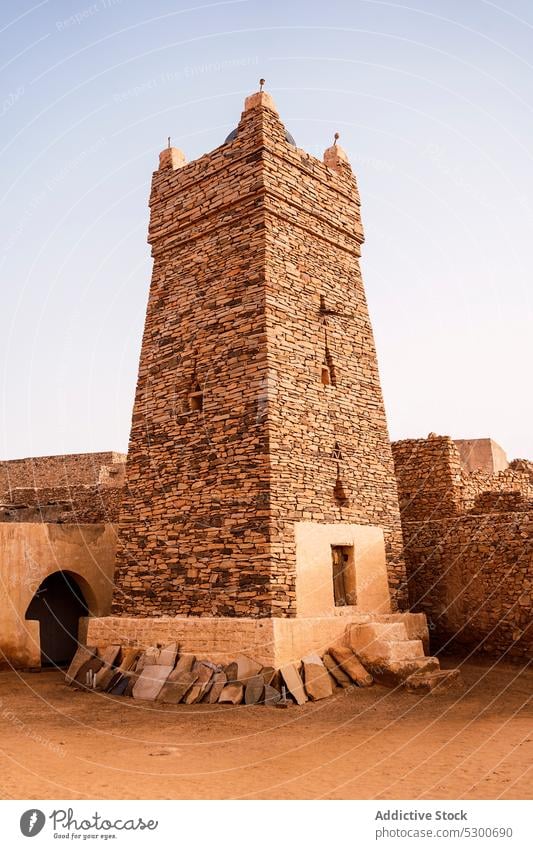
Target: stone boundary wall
(56, 471)
(75, 504)
(467, 543)
(428, 475)
(473, 577)
(477, 485)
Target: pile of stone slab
(162, 675)
(373, 652)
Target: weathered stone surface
(269, 674)
(351, 665)
(246, 668)
(271, 696)
(463, 525)
(150, 682)
(168, 654)
(396, 672)
(232, 671)
(184, 664)
(336, 671)
(83, 654)
(204, 675)
(255, 687)
(294, 683)
(213, 694)
(232, 693)
(174, 691)
(438, 683)
(316, 679)
(93, 665)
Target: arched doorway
(58, 605)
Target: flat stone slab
(336, 671)
(232, 693)
(246, 667)
(232, 671)
(94, 664)
(150, 682)
(268, 673)
(213, 694)
(253, 693)
(436, 682)
(271, 696)
(174, 691)
(83, 654)
(168, 655)
(204, 675)
(294, 683)
(351, 665)
(317, 680)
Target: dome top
(233, 135)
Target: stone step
(395, 672)
(384, 651)
(360, 636)
(435, 681)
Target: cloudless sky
(434, 103)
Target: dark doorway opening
(58, 605)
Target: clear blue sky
(434, 103)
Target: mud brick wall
(473, 577)
(62, 470)
(245, 242)
(468, 550)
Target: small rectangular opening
(344, 587)
(196, 401)
(325, 376)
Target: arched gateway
(57, 605)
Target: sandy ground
(374, 743)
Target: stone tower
(259, 478)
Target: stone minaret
(259, 478)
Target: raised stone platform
(272, 642)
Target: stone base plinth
(272, 642)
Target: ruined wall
(57, 471)
(245, 242)
(468, 553)
(83, 504)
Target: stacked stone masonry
(467, 543)
(258, 402)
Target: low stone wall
(272, 642)
(60, 470)
(472, 575)
(82, 504)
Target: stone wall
(83, 504)
(59, 471)
(467, 541)
(256, 315)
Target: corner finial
(261, 84)
(336, 137)
(168, 142)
